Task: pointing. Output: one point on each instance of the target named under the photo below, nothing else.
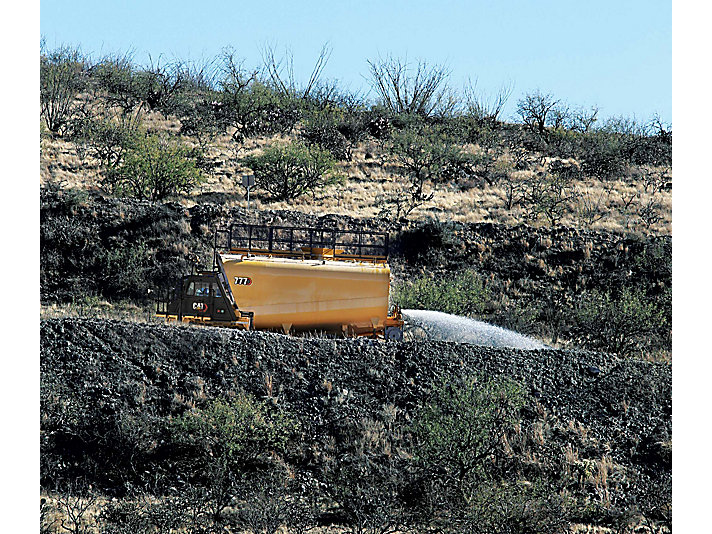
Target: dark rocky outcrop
(113, 369)
(81, 235)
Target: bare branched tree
(559, 116)
(235, 78)
(534, 109)
(281, 72)
(582, 119)
(548, 194)
(650, 211)
(483, 107)
(116, 84)
(402, 87)
(63, 76)
(200, 76)
(661, 129)
(74, 505)
(47, 519)
(594, 206)
(158, 83)
(427, 158)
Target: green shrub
(460, 294)
(339, 133)
(123, 271)
(622, 324)
(517, 508)
(238, 430)
(287, 171)
(458, 434)
(228, 445)
(154, 169)
(563, 142)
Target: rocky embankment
(97, 372)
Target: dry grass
(100, 309)
(370, 185)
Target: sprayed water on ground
(446, 327)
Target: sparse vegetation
(472, 165)
(63, 76)
(549, 194)
(190, 441)
(426, 158)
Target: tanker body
(293, 280)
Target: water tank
(317, 293)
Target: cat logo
(200, 307)
(243, 280)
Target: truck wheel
(393, 333)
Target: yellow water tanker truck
(292, 280)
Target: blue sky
(616, 55)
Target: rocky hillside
(593, 427)
(98, 247)
(147, 427)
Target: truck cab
(202, 298)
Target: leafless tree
(235, 78)
(549, 194)
(426, 158)
(47, 519)
(656, 181)
(650, 211)
(483, 107)
(582, 119)
(158, 84)
(535, 108)
(514, 188)
(247, 105)
(74, 505)
(63, 76)
(115, 84)
(406, 88)
(559, 116)
(281, 72)
(662, 129)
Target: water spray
(441, 326)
